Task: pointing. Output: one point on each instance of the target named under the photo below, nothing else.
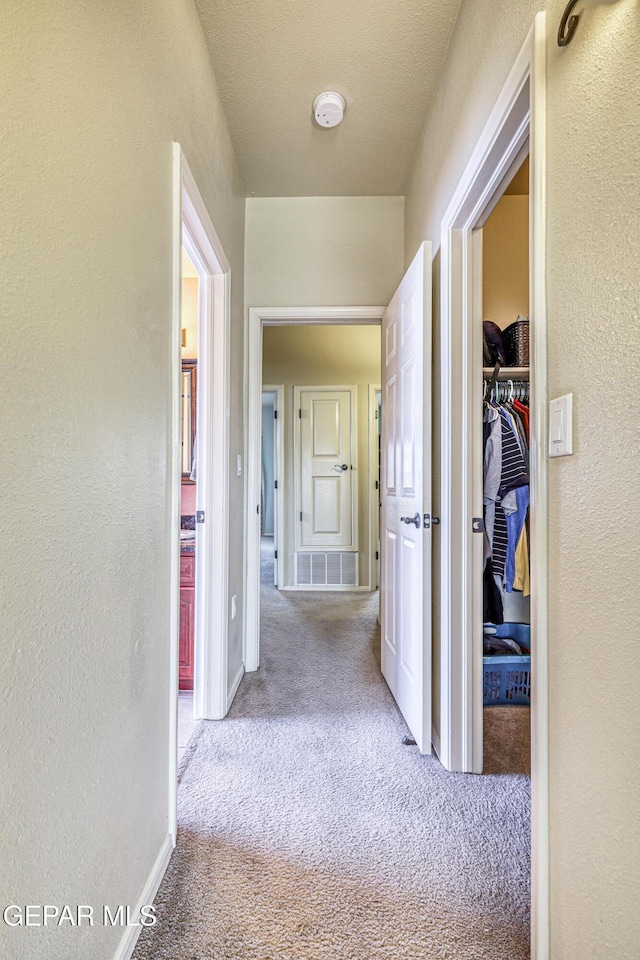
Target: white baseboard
(234, 686)
(130, 936)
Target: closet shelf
(507, 373)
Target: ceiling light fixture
(328, 109)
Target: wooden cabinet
(187, 619)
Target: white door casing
(257, 318)
(406, 497)
(519, 114)
(325, 469)
(213, 688)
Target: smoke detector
(328, 109)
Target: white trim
(175, 494)
(130, 936)
(257, 318)
(518, 120)
(278, 526)
(212, 489)
(501, 143)
(373, 495)
(540, 864)
(314, 316)
(233, 687)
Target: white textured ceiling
(272, 57)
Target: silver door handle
(342, 466)
(415, 520)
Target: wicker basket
(516, 342)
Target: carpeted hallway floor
(309, 832)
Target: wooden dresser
(187, 618)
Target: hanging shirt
(492, 469)
(514, 471)
(499, 546)
(515, 526)
(523, 413)
(521, 576)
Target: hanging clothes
(506, 499)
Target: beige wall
(189, 317)
(593, 238)
(323, 251)
(316, 356)
(505, 261)
(93, 96)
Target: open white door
(406, 497)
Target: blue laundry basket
(507, 680)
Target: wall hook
(568, 25)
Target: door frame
(517, 125)
(193, 228)
(278, 508)
(257, 319)
(374, 495)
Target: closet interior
(506, 468)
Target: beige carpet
(309, 832)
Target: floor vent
(334, 569)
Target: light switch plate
(561, 426)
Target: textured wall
(323, 251)
(594, 523)
(93, 95)
(313, 356)
(593, 336)
(505, 262)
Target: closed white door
(325, 468)
(406, 497)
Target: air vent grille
(334, 569)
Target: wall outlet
(234, 606)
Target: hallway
(307, 830)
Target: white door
(406, 497)
(325, 474)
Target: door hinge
(377, 555)
(275, 484)
(258, 509)
(199, 516)
(300, 413)
(275, 414)
(377, 485)
(301, 516)
(275, 554)
(477, 525)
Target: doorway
(272, 474)
(501, 478)
(206, 455)
(291, 376)
(515, 127)
(188, 456)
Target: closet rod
(507, 373)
